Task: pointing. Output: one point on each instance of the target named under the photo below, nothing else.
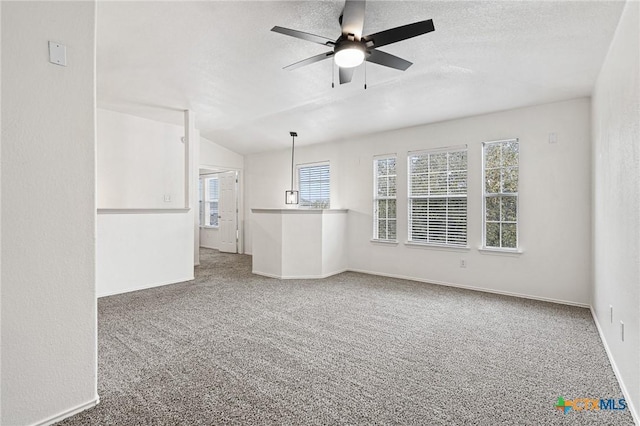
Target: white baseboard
(298, 277)
(468, 287)
(145, 287)
(208, 247)
(68, 413)
(625, 393)
(266, 274)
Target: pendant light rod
(293, 148)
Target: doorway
(220, 224)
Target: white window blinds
(438, 197)
(314, 185)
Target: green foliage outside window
(384, 209)
(501, 193)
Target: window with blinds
(500, 165)
(384, 198)
(438, 197)
(209, 203)
(314, 185)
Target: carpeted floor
(235, 348)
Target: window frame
(206, 201)
(308, 165)
(377, 198)
(486, 195)
(447, 197)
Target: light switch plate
(57, 53)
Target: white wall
(280, 252)
(554, 201)
(616, 201)
(192, 158)
(139, 162)
(137, 251)
(214, 156)
(0, 212)
(142, 240)
(209, 238)
(48, 333)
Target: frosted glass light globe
(349, 57)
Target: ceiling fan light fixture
(349, 54)
(352, 48)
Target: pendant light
(291, 196)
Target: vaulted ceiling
(220, 59)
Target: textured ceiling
(221, 60)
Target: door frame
(239, 197)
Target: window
(201, 202)
(314, 185)
(438, 197)
(384, 198)
(209, 192)
(500, 165)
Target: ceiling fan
(352, 48)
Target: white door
(228, 219)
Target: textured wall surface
(140, 161)
(209, 238)
(555, 201)
(136, 251)
(48, 211)
(0, 212)
(215, 156)
(616, 199)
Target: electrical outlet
(463, 263)
(167, 198)
(622, 331)
(611, 313)
(553, 138)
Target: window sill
(500, 252)
(437, 246)
(208, 227)
(384, 242)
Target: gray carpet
(235, 348)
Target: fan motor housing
(343, 43)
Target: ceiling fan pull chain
(365, 75)
(333, 76)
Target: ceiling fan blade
(304, 36)
(353, 18)
(308, 61)
(346, 74)
(388, 60)
(400, 33)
